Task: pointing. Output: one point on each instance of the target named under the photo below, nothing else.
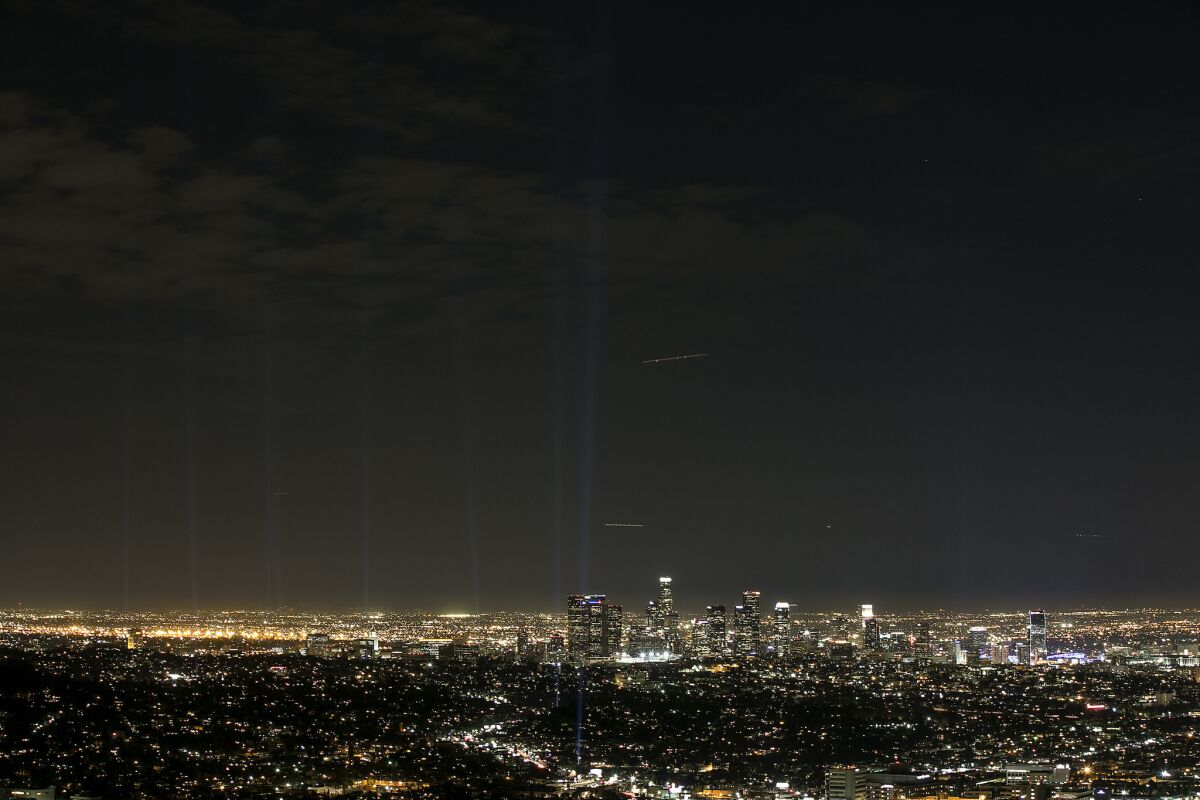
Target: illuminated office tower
(577, 626)
(783, 628)
(668, 620)
(839, 629)
(594, 627)
(597, 626)
(866, 612)
(1037, 636)
(666, 603)
(654, 618)
(614, 627)
(741, 632)
(133, 639)
(715, 616)
(871, 637)
(977, 639)
(701, 641)
(924, 642)
(587, 626)
(750, 602)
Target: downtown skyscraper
(594, 627)
(747, 634)
(782, 633)
(1036, 636)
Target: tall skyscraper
(614, 628)
(669, 620)
(597, 625)
(701, 640)
(715, 616)
(593, 627)
(871, 637)
(783, 629)
(741, 632)
(665, 601)
(1036, 630)
(924, 642)
(577, 626)
(866, 612)
(977, 639)
(654, 620)
(753, 617)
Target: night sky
(344, 304)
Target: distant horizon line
(349, 611)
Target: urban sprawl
(600, 703)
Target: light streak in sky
(467, 441)
(674, 358)
(624, 525)
(126, 455)
(189, 389)
(593, 270)
(365, 411)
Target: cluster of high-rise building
(979, 645)
(594, 627)
(597, 630)
(322, 645)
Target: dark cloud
(151, 219)
(857, 98)
(1125, 162)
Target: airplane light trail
(624, 525)
(675, 358)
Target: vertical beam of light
(579, 720)
(558, 420)
(189, 391)
(592, 269)
(467, 430)
(558, 277)
(365, 412)
(270, 533)
(966, 545)
(127, 456)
